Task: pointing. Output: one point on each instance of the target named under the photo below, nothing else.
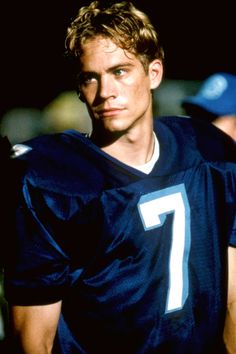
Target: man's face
(115, 86)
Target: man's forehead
(100, 51)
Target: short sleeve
(230, 193)
(37, 271)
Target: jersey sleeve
(48, 249)
(230, 194)
(38, 268)
(232, 241)
(56, 223)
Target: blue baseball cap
(217, 95)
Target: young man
(215, 102)
(122, 236)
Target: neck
(227, 124)
(132, 148)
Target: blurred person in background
(215, 102)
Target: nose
(107, 87)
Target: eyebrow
(110, 69)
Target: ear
(155, 73)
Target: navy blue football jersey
(139, 260)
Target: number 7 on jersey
(153, 209)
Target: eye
(87, 78)
(119, 72)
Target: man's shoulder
(58, 162)
(43, 146)
(209, 141)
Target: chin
(115, 126)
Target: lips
(109, 111)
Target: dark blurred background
(198, 38)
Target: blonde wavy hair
(128, 27)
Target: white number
(153, 208)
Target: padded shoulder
(211, 143)
(59, 163)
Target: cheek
(141, 92)
(140, 84)
(141, 97)
(89, 95)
